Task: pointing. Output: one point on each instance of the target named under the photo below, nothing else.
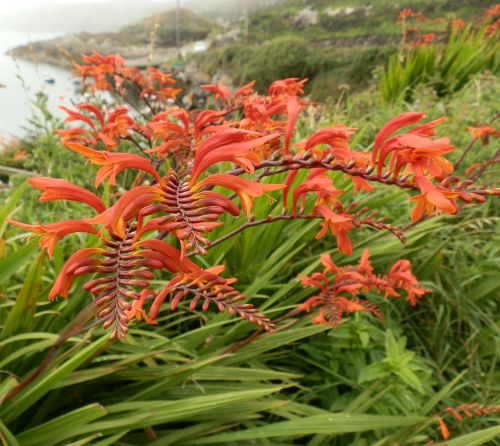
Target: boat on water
(47, 78)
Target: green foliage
(346, 69)
(177, 384)
(283, 57)
(447, 68)
(163, 26)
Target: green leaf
(110, 440)
(335, 423)
(7, 209)
(441, 394)
(391, 347)
(47, 381)
(373, 372)
(14, 262)
(61, 428)
(84, 441)
(141, 414)
(6, 436)
(22, 313)
(476, 438)
(271, 341)
(408, 377)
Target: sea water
(23, 79)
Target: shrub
(285, 56)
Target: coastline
(62, 52)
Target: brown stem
(235, 347)
(464, 154)
(494, 160)
(296, 164)
(299, 163)
(269, 219)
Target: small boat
(48, 79)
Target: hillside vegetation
(346, 41)
(192, 27)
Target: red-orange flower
(483, 133)
(445, 433)
(336, 138)
(220, 91)
(114, 163)
(137, 311)
(58, 189)
(340, 295)
(458, 24)
(431, 199)
(82, 257)
(245, 189)
(53, 232)
(109, 128)
(414, 149)
(228, 145)
(319, 183)
(339, 225)
(126, 208)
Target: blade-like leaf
(6, 436)
(61, 428)
(21, 314)
(476, 438)
(335, 423)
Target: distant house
(200, 46)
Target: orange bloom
(353, 280)
(336, 137)
(208, 121)
(109, 130)
(321, 184)
(53, 232)
(220, 91)
(402, 120)
(493, 11)
(291, 86)
(483, 133)
(19, 155)
(431, 199)
(114, 163)
(293, 108)
(229, 145)
(170, 257)
(246, 90)
(58, 189)
(414, 149)
(339, 225)
(445, 433)
(400, 276)
(158, 85)
(82, 257)
(458, 24)
(245, 189)
(126, 208)
(137, 311)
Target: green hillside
(334, 43)
(192, 26)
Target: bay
(23, 79)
